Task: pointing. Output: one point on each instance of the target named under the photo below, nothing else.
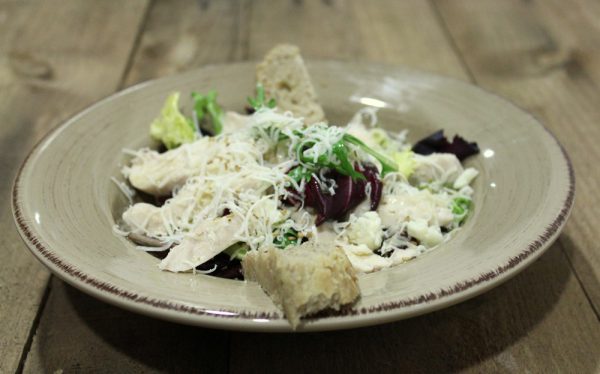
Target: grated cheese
(244, 173)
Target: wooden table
(57, 57)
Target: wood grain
(352, 30)
(382, 31)
(182, 34)
(48, 70)
(376, 35)
(79, 334)
(511, 329)
(289, 21)
(544, 56)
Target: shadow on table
(506, 328)
(528, 324)
(583, 266)
(80, 334)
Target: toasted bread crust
(284, 77)
(305, 279)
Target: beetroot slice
(438, 143)
(315, 198)
(348, 194)
(343, 196)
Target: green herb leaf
(286, 239)
(341, 152)
(300, 173)
(387, 165)
(259, 101)
(206, 108)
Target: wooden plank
(185, 35)
(537, 322)
(506, 330)
(544, 55)
(509, 329)
(79, 334)
(181, 35)
(53, 61)
(396, 32)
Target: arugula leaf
(206, 108)
(259, 101)
(341, 152)
(172, 128)
(286, 239)
(300, 173)
(387, 165)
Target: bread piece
(284, 77)
(305, 279)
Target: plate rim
(274, 322)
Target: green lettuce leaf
(208, 110)
(405, 162)
(460, 207)
(237, 251)
(172, 128)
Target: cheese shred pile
(232, 189)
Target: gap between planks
(135, 46)
(48, 288)
(453, 44)
(451, 41)
(34, 326)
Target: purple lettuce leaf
(438, 143)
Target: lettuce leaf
(405, 162)
(208, 112)
(172, 128)
(237, 251)
(438, 143)
(460, 207)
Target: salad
(226, 185)
(269, 178)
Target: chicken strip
(159, 173)
(208, 240)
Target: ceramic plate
(65, 204)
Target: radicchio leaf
(372, 175)
(225, 267)
(438, 143)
